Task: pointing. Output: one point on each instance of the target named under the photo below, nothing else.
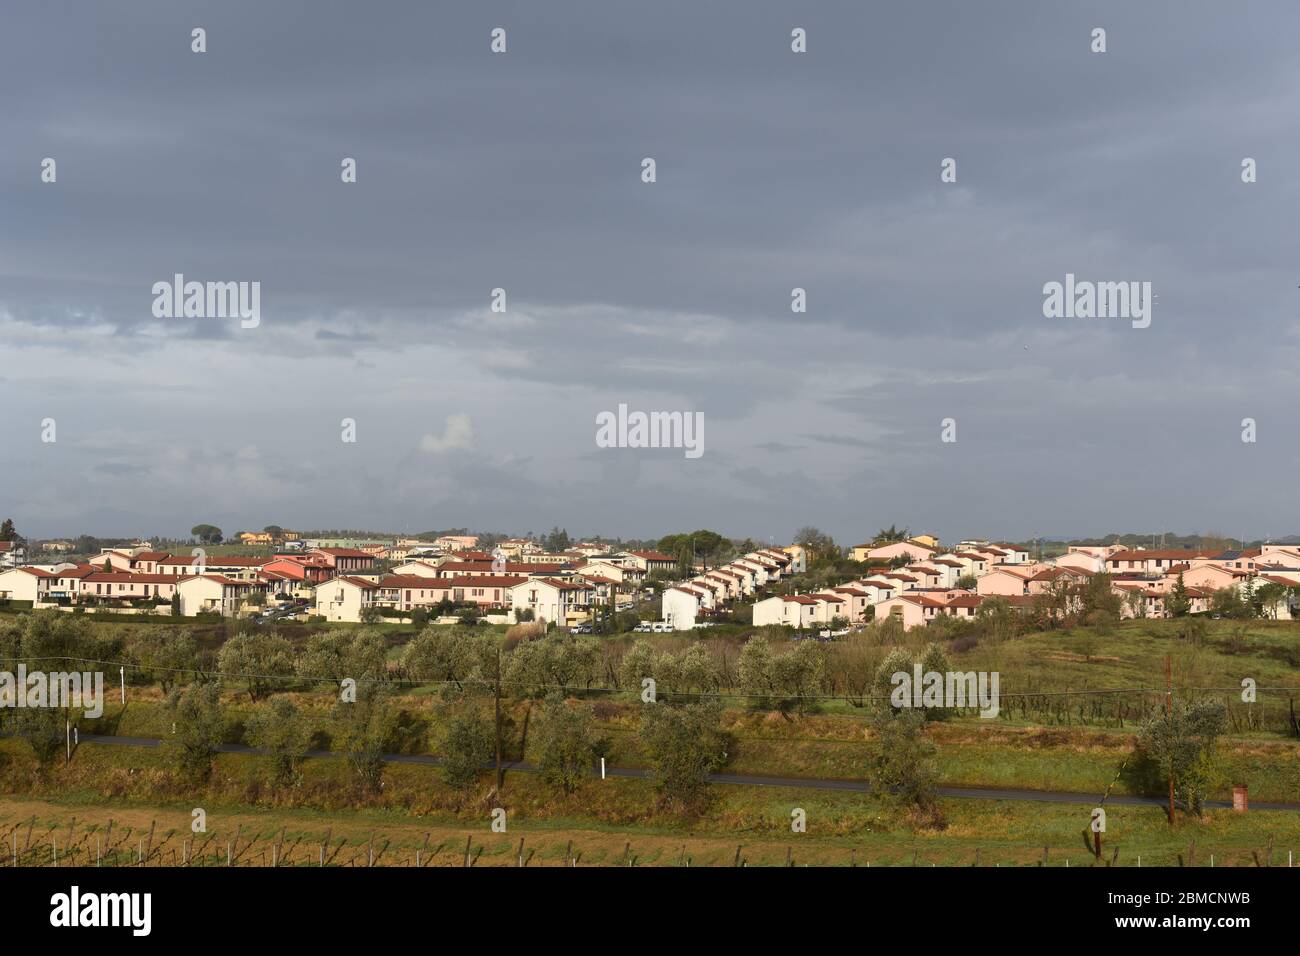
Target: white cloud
(458, 434)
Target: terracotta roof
(653, 556)
(479, 581)
(1171, 555)
(126, 577)
(218, 561)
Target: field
(1049, 737)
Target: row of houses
(929, 579)
(710, 591)
(199, 582)
(919, 592)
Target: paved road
(752, 780)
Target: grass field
(1069, 748)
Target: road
(753, 780)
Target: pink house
(910, 549)
(1003, 580)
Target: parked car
(643, 628)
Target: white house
(681, 606)
(25, 584)
(213, 592)
(792, 610)
(339, 599)
(551, 600)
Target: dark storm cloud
(775, 170)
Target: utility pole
(497, 705)
(1169, 714)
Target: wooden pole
(1169, 714)
(497, 706)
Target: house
(1139, 600)
(237, 567)
(456, 542)
(1002, 580)
(342, 598)
(858, 600)
(1082, 560)
(1211, 577)
(12, 554)
(256, 538)
(910, 610)
(652, 562)
(341, 560)
(791, 610)
(682, 605)
(209, 593)
(123, 586)
(1282, 608)
(1152, 562)
(302, 568)
(607, 569)
(25, 584)
(486, 591)
(830, 606)
(1055, 577)
(976, 563)
(552, 600)
(927, 576)
(911, 550)
(877, 590)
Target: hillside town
(913, 581)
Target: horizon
(806, 315)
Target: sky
(774, 170)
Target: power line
(487, 683)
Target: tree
(901, 767)
(457, 655)
(1227, 602)
(1270, 596)
(275, 531)
(567, 744)
(45, 731)
(556, 541)
(897, 661)
(891, 534)
(168, 657)
(1178, 604)
(262, 661)
(8, 532)
(1182, 746)
(466, 749)
(821, 547)
(966, 582)
(279, 728)
(206, 533)
(200, 729)
(797, 674)
(689, 546)
(754, 668)
(637, 664)
(558, 661)
(367, 729)
(1099, 603)
(685, 744)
